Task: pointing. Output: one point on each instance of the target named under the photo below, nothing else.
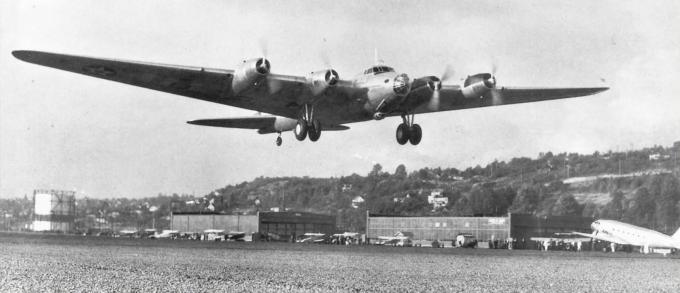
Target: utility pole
(283, 201)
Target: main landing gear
(307, 125)
(408, 131)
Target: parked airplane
(312, 238)
(399, 239)
(166, 234)
(627, 234)
(308, 104)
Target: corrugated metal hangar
(283, 225)
(520, 227)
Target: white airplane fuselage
(624, 233)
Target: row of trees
(521, 185)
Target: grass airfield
(33, 262)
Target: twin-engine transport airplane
(308, 104)
(627, 234)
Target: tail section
(676, 236)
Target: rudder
(676, 236)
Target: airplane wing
(600, 236)
(450, 97)
(263, 124)
(282, 95)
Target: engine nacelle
(319, 80)
(284, 124)
(401, 85)
(249, 74)
(478, 85)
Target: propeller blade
(494, 66)
(496, 97)
(274, 85)
(263, 47)
(433, 105)
(448, 73)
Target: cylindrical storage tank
(54, 210)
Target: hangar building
(282, 224)
(517, 226)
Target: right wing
(281, 95)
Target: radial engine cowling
(249, 74)
(320, 80)
(478, 85)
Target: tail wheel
(300, 130)
(402, 133)
(416, 134)
(314, 130)
(279, 141)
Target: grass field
(72, 263)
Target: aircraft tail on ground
(676, 236)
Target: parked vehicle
(466, 240)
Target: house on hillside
(356, 201)
(437, 199)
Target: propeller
(273, 85)
(331, 75)
(496, 96)
(436, 86)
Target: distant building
(520, 227)
(54, 210)
(356, 201)
(346, 187)
(436, 199)
(655, 157)
(275, 225)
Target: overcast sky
(104, 139)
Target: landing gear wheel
(402, 133)
(300, 130)
(416, 134)
(314, 130)
(279, 141)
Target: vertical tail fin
(676, 236)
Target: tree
(614, 208)
(526, 201)
(666, 215)
(400, 172)
(566, 205)
(376, 171)
(639, 209)
(481, 200)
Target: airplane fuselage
(386, 89)
(638, 236)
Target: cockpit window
(378, 70)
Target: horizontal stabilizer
(254, 122)
(263, 124)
